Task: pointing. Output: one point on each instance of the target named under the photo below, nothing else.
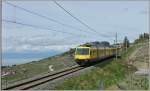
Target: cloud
(30, 48)
(36, 44)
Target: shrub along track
(49, 77)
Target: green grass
(106, 74)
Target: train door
(97, 52)
(91, 53)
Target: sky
(127, 18)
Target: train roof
(83, 47)
(93, 47)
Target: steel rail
(43, 79)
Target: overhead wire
(45, 17)
(40, 15)
(77, 19)
(36, 26)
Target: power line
(93, 30)
(35, 26)
(45, 17)
(53, 20)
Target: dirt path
(141, 60)
(138, 80)
(133, 55)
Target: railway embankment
(120, 74)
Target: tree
(126, 42)
(142, 37)
(105, 43)
(146, 35)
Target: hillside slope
(34, 68)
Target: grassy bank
(104, 75)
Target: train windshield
(82, 51)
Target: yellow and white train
(84, 54)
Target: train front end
(82, 55)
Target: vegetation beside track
(106, 75)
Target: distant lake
(20, 58)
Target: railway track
(35, 82)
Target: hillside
(34, 68)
